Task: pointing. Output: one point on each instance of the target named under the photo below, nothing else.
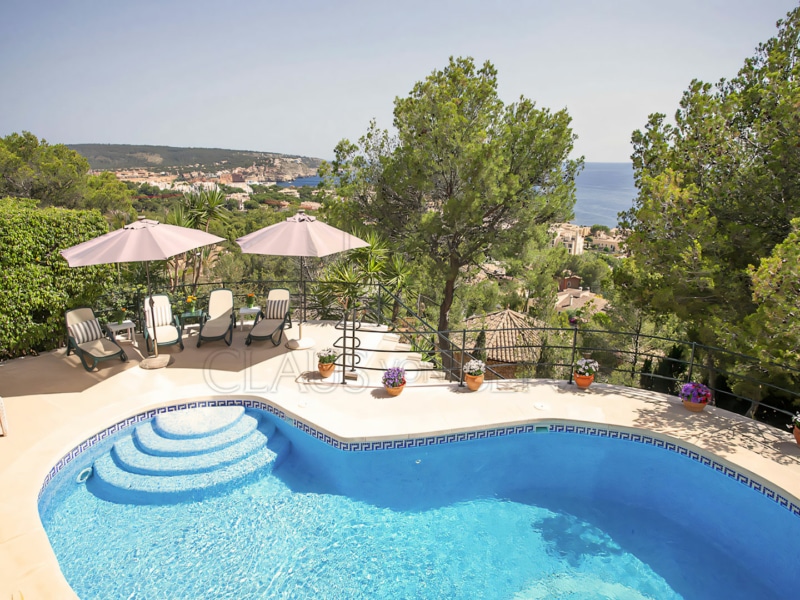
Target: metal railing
(765, 391)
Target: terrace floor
(53, 404)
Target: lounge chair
(219, 320)
(88, 339)
(273, 318)
(168, 327)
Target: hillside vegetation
(125, 156)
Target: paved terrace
(53, 404)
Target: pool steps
(152, 442)
(129, 458)
(197, 423)
(207, 448)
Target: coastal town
(572, 295)
(238, 183)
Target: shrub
(36, 283)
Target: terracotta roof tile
(510, 339)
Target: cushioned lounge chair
(219, 320)
(88, 339)
(273, 318)
(168, 327)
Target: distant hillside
(124, 156)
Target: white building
(570, 236)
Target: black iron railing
(766, 391)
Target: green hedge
(36, 283)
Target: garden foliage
(36, 283)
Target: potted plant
(695, 396)
(796, 428)
(473, 373)
(584, 372)
(326, 361)
(394, 379)
(119, 307)
(120, 314)
(251, 300)
(191, 302)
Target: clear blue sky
(297, 76)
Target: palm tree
(396, 274)
(207, 206)
(178, 264)
(200, 208)
(363, 268)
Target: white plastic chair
(219, 320)
(273, 318)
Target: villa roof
(509, 337)
(572, 298)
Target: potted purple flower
(394, 379)
(695, 396)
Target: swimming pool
(546, 514)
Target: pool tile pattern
(367, 446)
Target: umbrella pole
(300, 343)
(152, 310)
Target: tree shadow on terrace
(715, 429)
(55, 373)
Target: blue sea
(603, 190)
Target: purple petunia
(695, 392)
(394, 377)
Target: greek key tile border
(710, 462)
(367, 446)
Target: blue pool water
(540, 515)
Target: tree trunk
(395, 309)
(443, 343)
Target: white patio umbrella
(301, 235)
(141, 241)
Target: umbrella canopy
(142, 241)
(301, 235)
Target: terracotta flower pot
(583, 381)
(326, 369)
(473, 381)
(694, 406)
(796, 432)
(394, 391)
